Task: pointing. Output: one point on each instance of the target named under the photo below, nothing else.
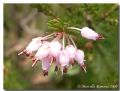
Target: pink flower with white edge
(79, 57)
(46, 65)
(71, 50)
(64, 60)
(90, 34)
(55, 48)
(32, 46)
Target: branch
(88, 19)
(109, 12)
(24, 23)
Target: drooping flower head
(62, 54)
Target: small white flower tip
(20, 53)
(84, 70)
(83, 67)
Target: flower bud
(90, 34)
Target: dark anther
(45, 73)
(56, 68)
(65, 69)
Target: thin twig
(109, 12)
(24, 23)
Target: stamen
(35, 61)
(84, 68)
(22, 52)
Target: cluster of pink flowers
(58, 51)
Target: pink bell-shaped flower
(71, 50)
(64, 60)
(42, 52)
(55, 48)
(79, 57)
(90, 34)
(46, 65)
(32, 46)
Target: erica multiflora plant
(61, 50)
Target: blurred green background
(22, 22)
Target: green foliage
(101, 56)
